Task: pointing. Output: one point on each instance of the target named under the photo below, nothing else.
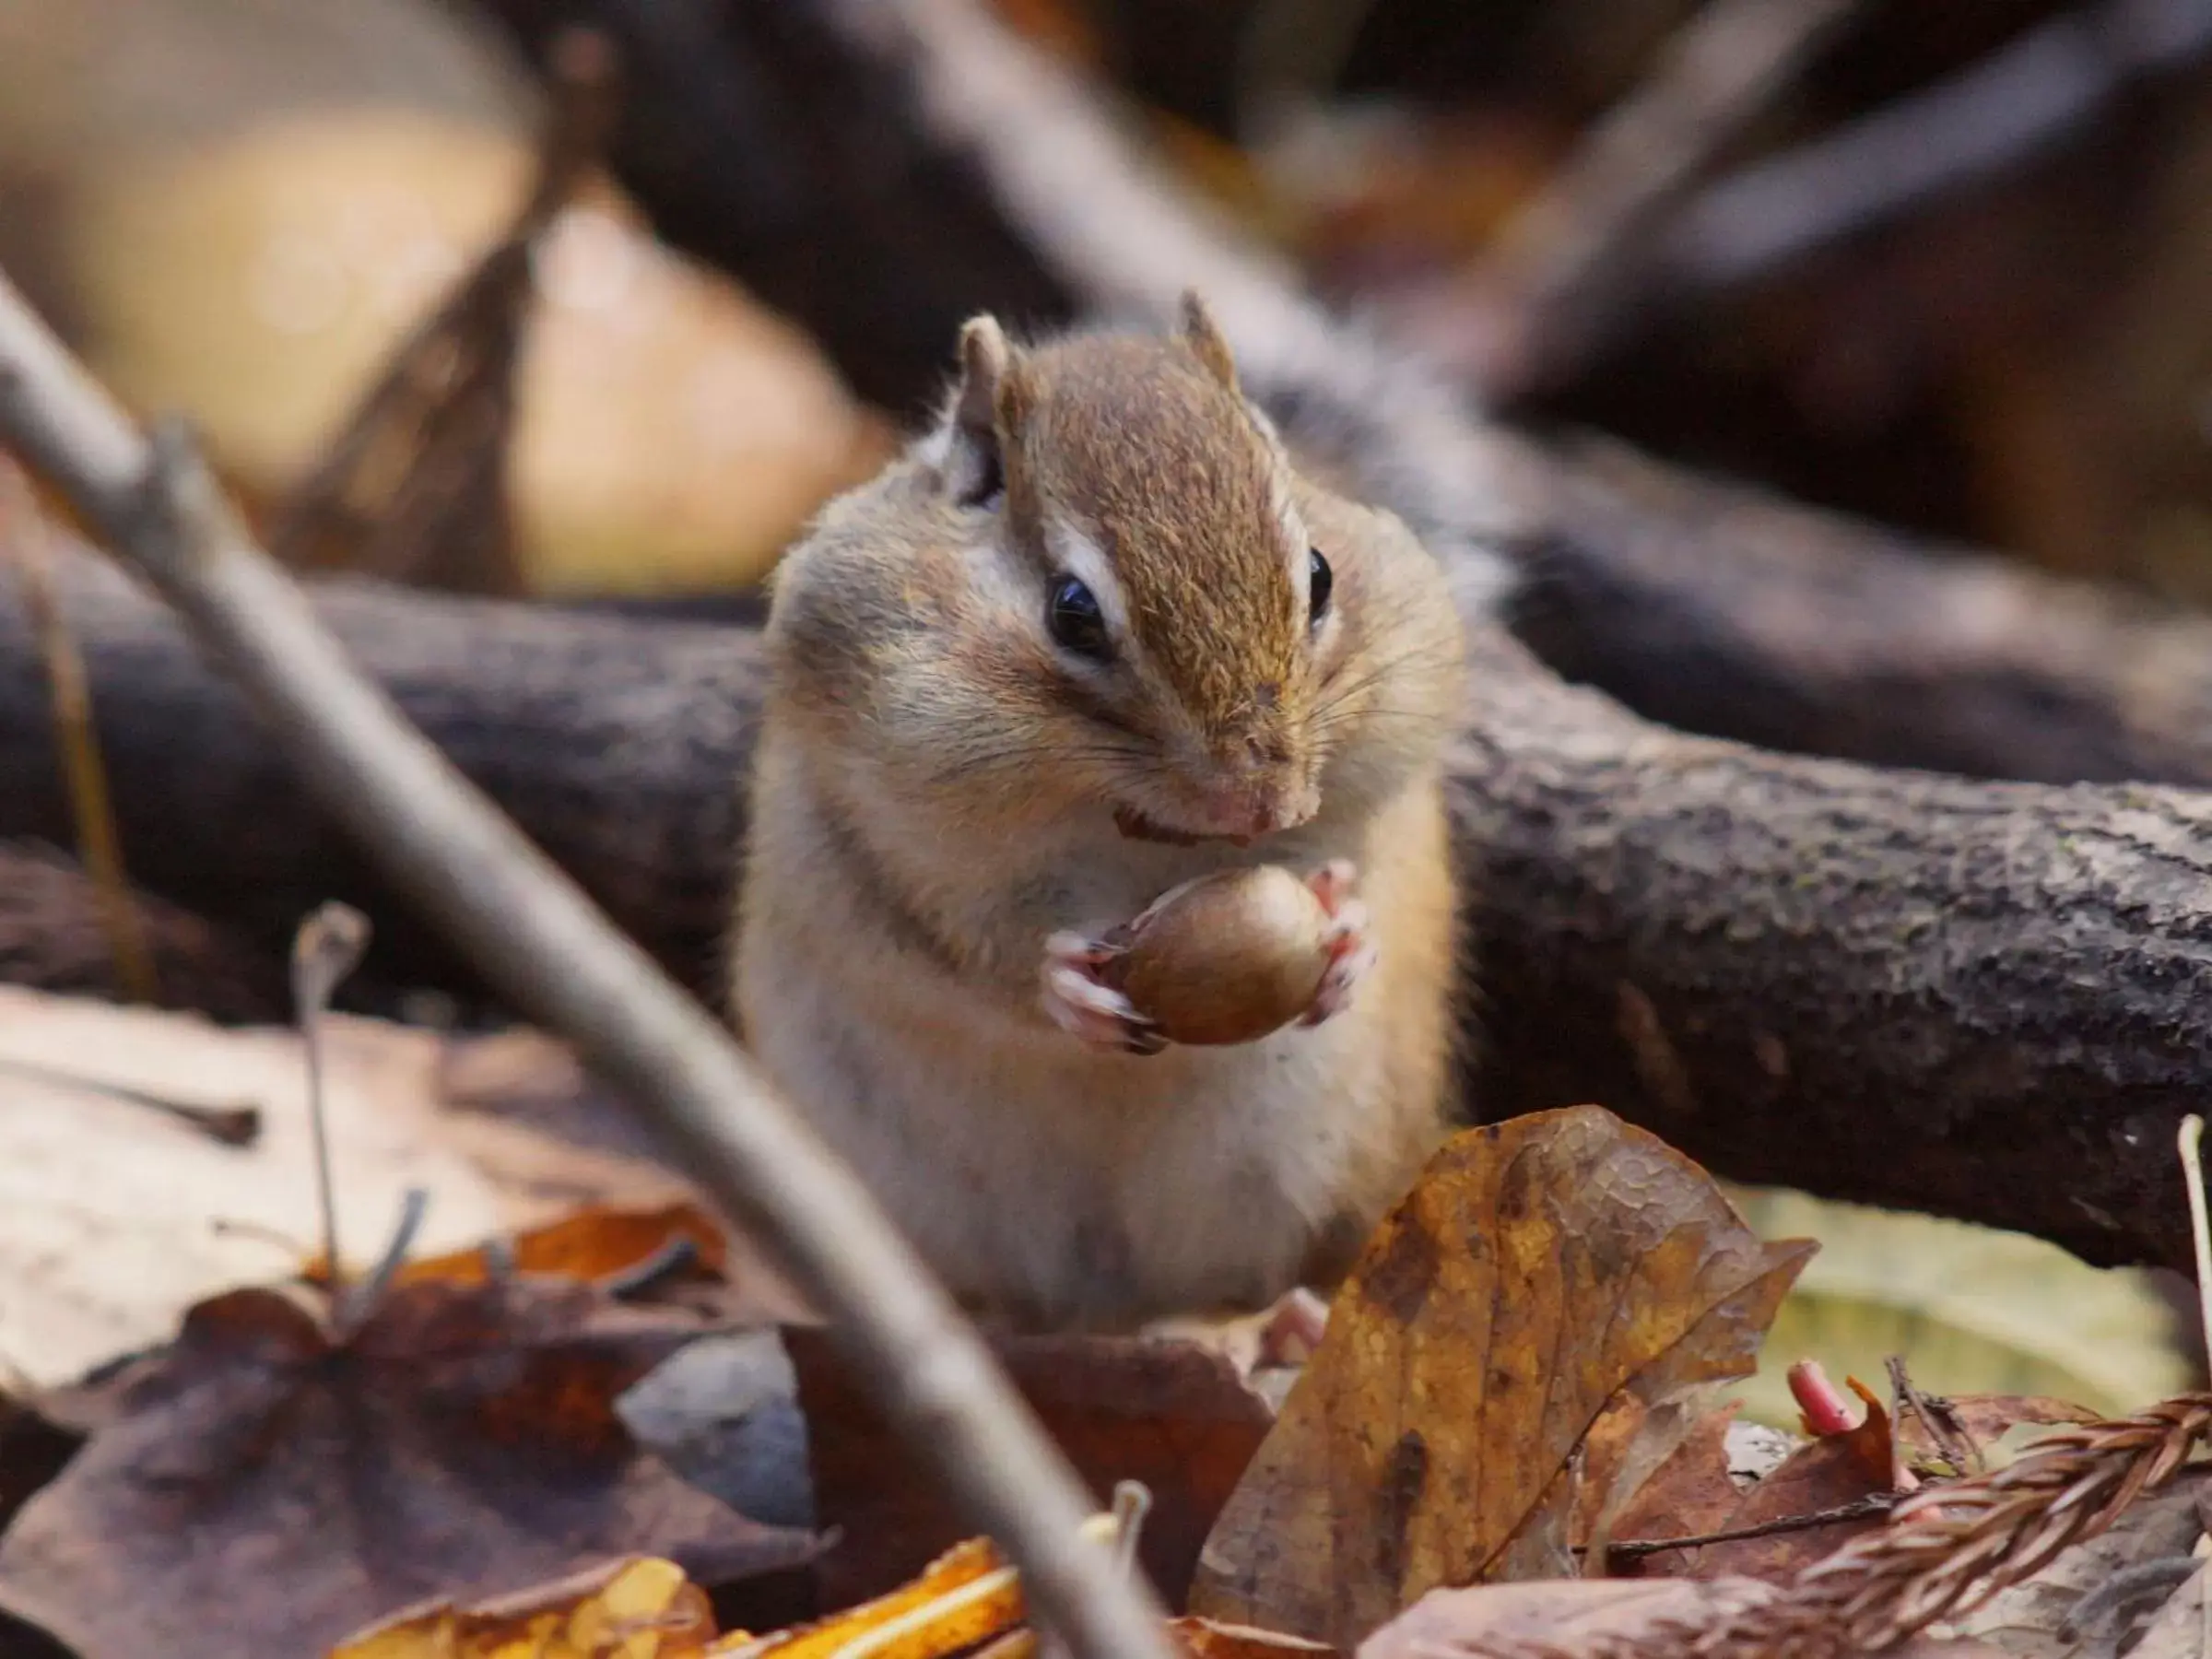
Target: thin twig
(1946, 1548)
(350, 1310)
(233, 1126)
(76, 740)
(1858, 1509)
(1957, 1446)
(671, 1258)
(555, 957)
(327, 947)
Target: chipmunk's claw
(1082, 1004)
(1351, 956)
(1293, 1328)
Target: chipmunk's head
(1169, 604)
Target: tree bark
(617, 742)
(1985, 1000)
(1726, 610)
(52, 937)
(1982, 1000)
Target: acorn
(1227, 958)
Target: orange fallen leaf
(1210, 1638)
(637, 1606)
(645, 1607)
(966, 1595)
(1539, 1270)
(590, 1244)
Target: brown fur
(1180, 484)
(936, 793)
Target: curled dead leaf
(1540, 1270)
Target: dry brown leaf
(1538, 1269)
(1691, 1492)
(1830, 1473)
(262, 1488)
(671, 431)
(638, 1606)
(1174, 1415)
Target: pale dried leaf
(120, 1217)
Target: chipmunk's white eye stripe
(1072, 551)
(1289, 524)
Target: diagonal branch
(541, 942)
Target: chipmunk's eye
(1320, 582)
(1076, 622)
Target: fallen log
(1987, 1000)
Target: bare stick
(2191, 1140)
(539, 940)
(1936, 1414)
(350, 1311)
(1858, 1509)
(76, 740)
(327, 947)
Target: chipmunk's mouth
(1137, 827)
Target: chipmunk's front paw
(1082, 1003)
(1351, 956)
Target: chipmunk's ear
(1203, 335)
(974, 469)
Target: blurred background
(1946, 265)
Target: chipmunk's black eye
(1319, 583)
(1075, 620)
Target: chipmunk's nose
(1256, 796)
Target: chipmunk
(1092, 635)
